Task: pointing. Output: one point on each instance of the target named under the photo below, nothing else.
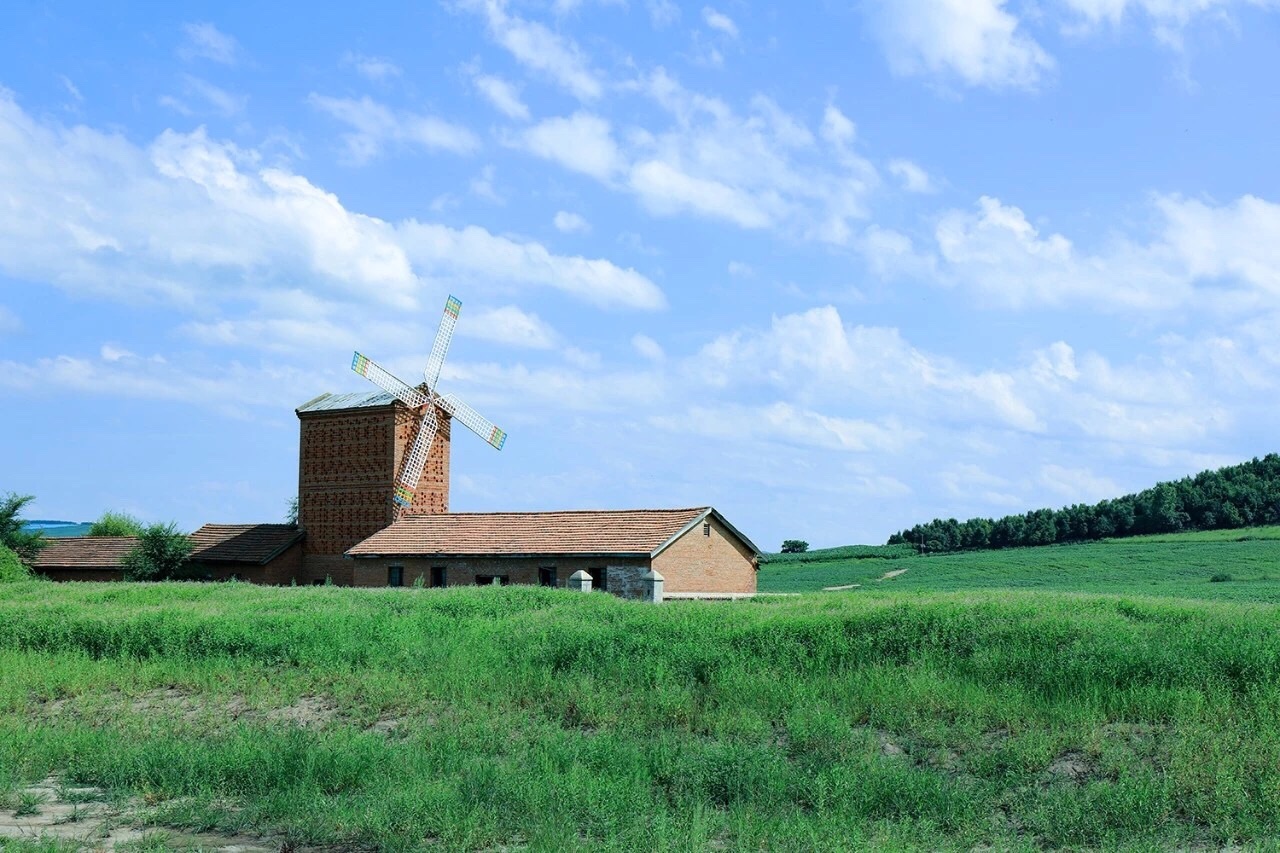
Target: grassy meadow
(1089, 710)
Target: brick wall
(718, 562)
(373, 571)
(59, 574)
(347, 463)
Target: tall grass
(557, 720)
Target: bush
(794, 546)
(12, 533)
(161, 554)
(11, 566)
(1220, 577)
(116, 524)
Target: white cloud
(202, 225)
(9, 322)
(738, 269)
(375, 68)
(205, 41)
(648, 348)
(571, 223)
(977, 42)
(473, 252)
(719, 22)
(502, 95)
(1224, 258)
(764, 169)
(482, 185)
(1168, 17)
(663, 13)
(1078, 485)
(374, 126)
(540, 49)
(71, 88)
(783, 422)
(221, 101)
(913, 178)
(836, 127)
(583, 142)
(511, 327)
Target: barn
(697, 551)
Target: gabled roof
(631, 532)
(242, 543)
(85, 552)
(357, 400)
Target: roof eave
(404, 555)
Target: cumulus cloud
(648, 348)
(582, 142)
(912, 177)
(199, 223)
(374, 126)
(764, 169)
(976, 42)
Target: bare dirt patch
(1072, 767)
(307, 712)
(841, 587)
(81, 816)
(888, 576)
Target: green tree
(12, 535)
(291, 514)
(116, 524)
(161, 554)
(11, 566)
(794, 546)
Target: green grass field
(1171, 565)
(1071, 697)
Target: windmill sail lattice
(424, 399)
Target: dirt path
(839, 588)
(891, 575)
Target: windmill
(424, 399)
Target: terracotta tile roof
(634, 531)
(242, 543)
(85, 552)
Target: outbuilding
(697, 551)
(84, 558)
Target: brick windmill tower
(365, 459)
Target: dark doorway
(395, 576)
(486, 580)
(547, 576)
(437, 576)
(599, 578)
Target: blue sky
(834, 268)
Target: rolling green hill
(1168, 565)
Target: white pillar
(653, 583)
(580, 581)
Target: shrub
(116, 524)
(1220, 577)
(161, 554)
(12, 533)
(794, 546)
(11, 566)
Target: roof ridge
(557, 512)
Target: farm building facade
(696, 551)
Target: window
(486, 580)
(395, 576)
(599, 578)
(547, 576)
(437, 576)
(317, 582)
(706, 528)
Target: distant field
(543, 719)
(1171, 565)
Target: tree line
(1236, 496)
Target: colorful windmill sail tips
(403, 497)
(453, 306)
(497, 438)
(360, 364)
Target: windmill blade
(444, 335)
(473, 420)
(371, 370)
(416, 460)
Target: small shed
(696, 550)
(84, 558)
(258, 553)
